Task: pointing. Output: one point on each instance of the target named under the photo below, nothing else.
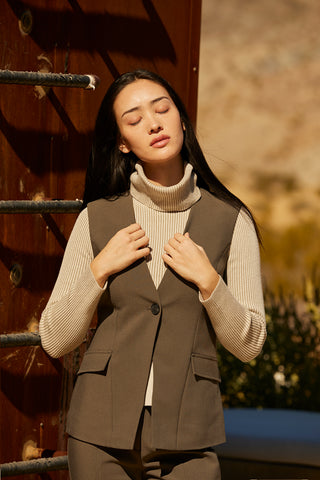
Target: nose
(155, 129)
(154, 125)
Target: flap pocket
(94, 362)
(205, 366)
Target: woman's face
(149, 123)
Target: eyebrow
(137, 108)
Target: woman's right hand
(126, 247)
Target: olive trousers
(88, 461)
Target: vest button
(155, 309)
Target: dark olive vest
(139, 324)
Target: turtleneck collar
(176, 198)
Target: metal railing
(41, 465)
(27, 339)
(89, 82)
(47, 206)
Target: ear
(183, 126)
(123, 146)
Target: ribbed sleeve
(76, 294)
(237, 310)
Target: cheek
(180, 135)
(177, 124)
(125, 137)
(133, 141)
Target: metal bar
(49, 79)
(48, 206)
(41, 465)
(19, 340)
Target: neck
(164, 175)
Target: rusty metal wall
(45, 136)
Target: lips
(160, 141)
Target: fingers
(138, 241)
(138, 237)
(142, 252)
(132, 228)
(135, 233)
(167, 258)
(173, 243)
(141, 242)
(179, 237)
(176, 242)
(169, 250)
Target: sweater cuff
(204, 302)
(94, 284)
(221, 303)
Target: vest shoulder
(109, 203)
(112, 214)
(212, 201)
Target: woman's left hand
(190, 261)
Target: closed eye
(163, 111)
(135, 122)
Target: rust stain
(30, 360)
(38, 197)
(9, 356)
(33, 326)
(43, 58)
(21, 186)
(30, 451)
(45, 66)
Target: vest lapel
(207, 219)
(123, 215)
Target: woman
(171, 260)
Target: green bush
(286, 373)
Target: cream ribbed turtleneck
(176, 198)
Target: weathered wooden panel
(45, 137)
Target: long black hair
(109, 169)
